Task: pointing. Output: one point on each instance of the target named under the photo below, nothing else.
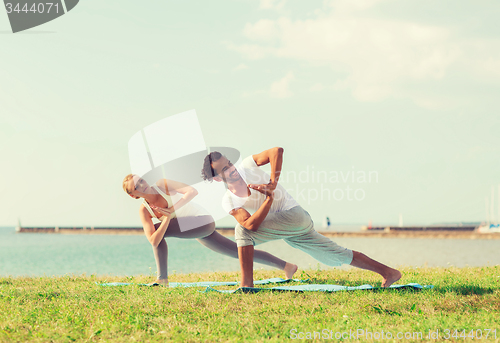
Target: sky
(403, 91)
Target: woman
(183, 220)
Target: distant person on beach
(183, 219)
(265, 212)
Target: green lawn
(74, 308)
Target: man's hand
(266, 189)
(273, 156)
(272, 185)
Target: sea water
(39, 254)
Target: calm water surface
(31, 254)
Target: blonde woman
(168, 202)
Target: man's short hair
(208, 173)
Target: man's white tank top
(188, 210)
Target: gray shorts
(296, 227)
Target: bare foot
(290, 269)
(393, 276)
(162, 282)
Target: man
(265, 212)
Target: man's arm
(273, 156)
(252, 222)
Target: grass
(74, 308)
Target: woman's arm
(154, 236)
(178, 187)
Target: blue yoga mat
(316, 288)
(202, 283)
(298, 288)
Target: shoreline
(437, 234)
(400, 234)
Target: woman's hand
(164, 211)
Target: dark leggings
(203, 230)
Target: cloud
(318, 87)
(272, 4)
(241, 66)
(348, 6)
(280, 88)
(374, 54)
(263, 30)
(372, 57)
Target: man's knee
(242, 235)
(244, 242)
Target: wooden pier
(83, 230)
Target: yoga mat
(202, 283)
(316, 288)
